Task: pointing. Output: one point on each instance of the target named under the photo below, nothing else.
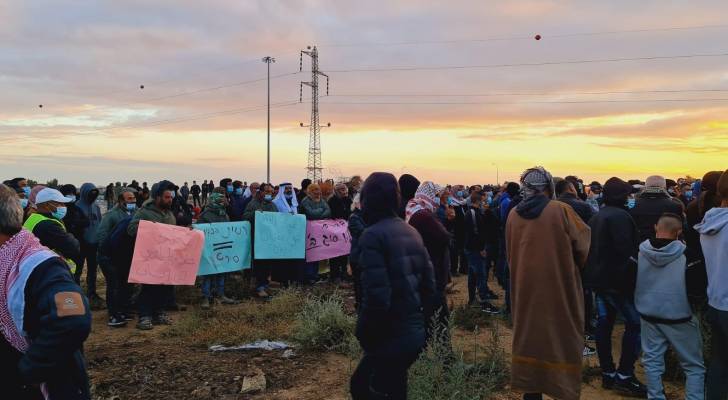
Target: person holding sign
(340, 205)
(215, 211)
(263, 201)
(152, 297)
(398, 284)
(287, 203)
(315, 208)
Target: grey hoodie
(714, 240)
(92, 211)
(661, 294)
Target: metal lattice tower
(315, 167)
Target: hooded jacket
(661, 294)
(649, 208)
(91, 211)
(713, 232)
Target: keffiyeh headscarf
(535, 181)
(217, 204)
(425, 199)
(282, 203)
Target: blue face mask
(59, 213)
(268, 197)
(130, 207)
(689, 194)
(631, 203)
(26, 190)
(24, 203)
(72, 197)
(239, 191)
(230, 188)
(460, 193)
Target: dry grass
(249, 321)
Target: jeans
(117, 286)
(88, 255)
(383, 374)
(608, 304)
(717, 382)
(477, 276)
(338, 267)
(207, 282)
(310, 272)
(686, 340)
(152, 299)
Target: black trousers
(196, 200)
(337, 265)
(88, 256)
(382, 377)
(118, 289)
(152, 299)
(458, 261)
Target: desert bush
(469, 318)
(441, 373)
(322, 324)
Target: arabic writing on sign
(227, 247)
(165, 254)
(327, 239)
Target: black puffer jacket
(611, 265)
(398, 284)
(582, 209)
(649, 208)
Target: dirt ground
(126, 363)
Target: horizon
(455, 93)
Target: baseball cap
(49, 194)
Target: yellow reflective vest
(36, 219)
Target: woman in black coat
(398, 288)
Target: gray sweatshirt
(661, 294)
(714, 240)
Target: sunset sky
(445, 90)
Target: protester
(89, 245)
(195, 190)
(356, 228)
(397, 284)
(566, 193)
(75, 220)
(214, 212)
(713, 232)
(686, 194)
(237, 202)
(109, 196)
(286, 271)
(547, 246)
(666, 318)
(304, 187)
(420, 214)
(263, 201)
(250, 193)
(340, 205)
(651, 203)
(46, 224)
(458, 261)
(314, 207)
(44, 316)
(124, 209)
(611, 274)
(481, 238)
(408, 185)
(354, 185)
(152, 298)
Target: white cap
(49, 194)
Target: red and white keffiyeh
(425, 199)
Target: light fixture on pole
(268, 60)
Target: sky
(454, 92)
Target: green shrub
(441, 373)
(469, 318)
(322, 324)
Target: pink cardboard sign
(327, 239)
(166, 254)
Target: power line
(534, 64)
(524, 37)
(524, 102)
(495, 94)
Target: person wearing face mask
(314, 207)
(651, 203)
(611, 273)
(124, 209)
(250, 193)
(286, 201)
(75, 220)
(237, 202)
(686, 194)
(152, 298)
(89, 242)
(594, 199)
(263, 201)
(47, 225)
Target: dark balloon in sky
(537, 37)
(40, 105)
(141, 87)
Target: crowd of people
(568, 256)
